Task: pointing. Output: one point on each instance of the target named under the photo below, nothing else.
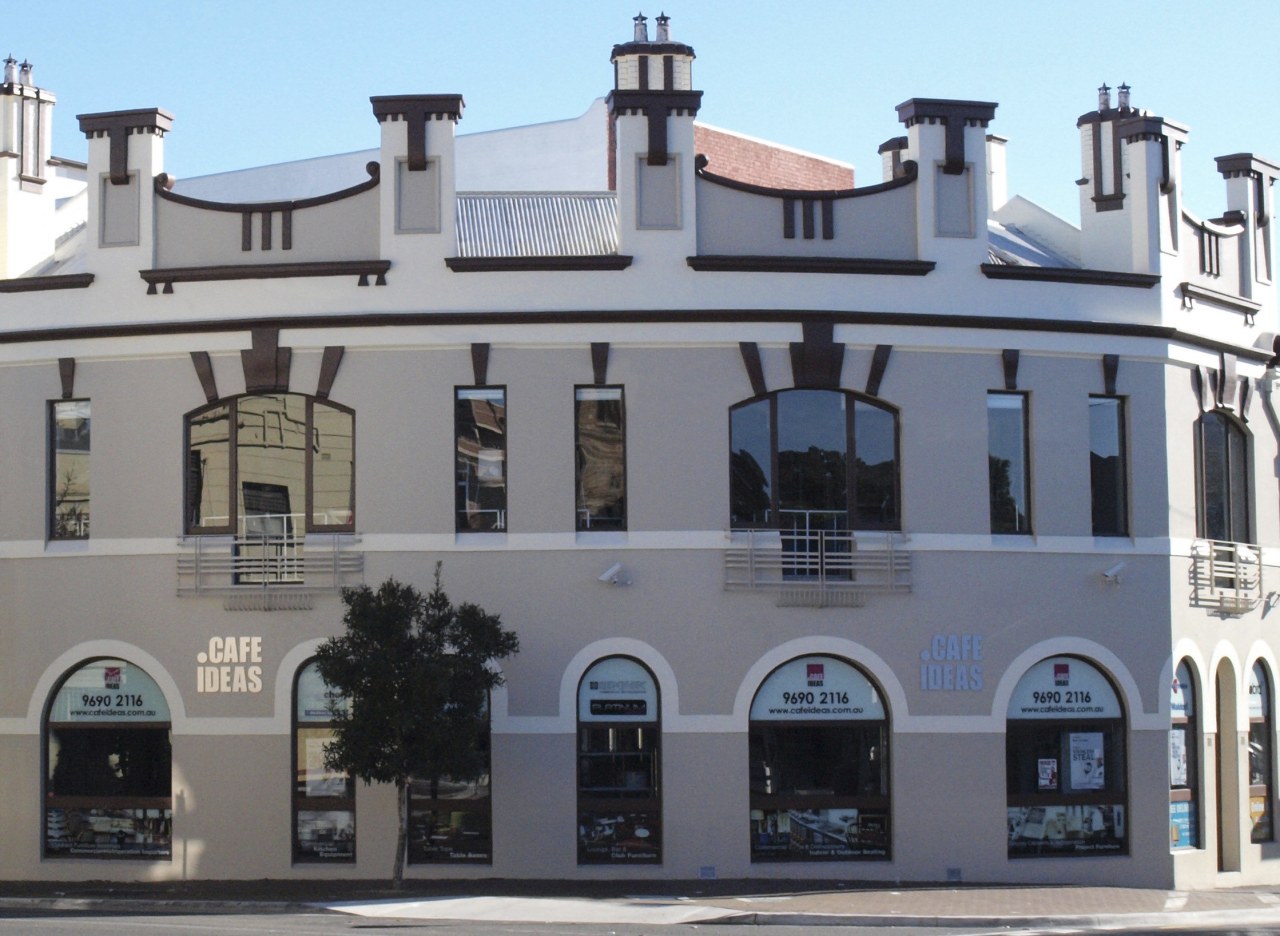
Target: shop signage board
(1257, 692)
(327, 834)
(1182, 825)
(1181, 694)
(817, 688)
(617, 837)
(1064, 688)
(315, 697)
(617, 689)
(456, 836)
(87, 832)
(109, 691)
(1062, 829)
(819, 834)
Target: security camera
(1112, 575)
(611, 574)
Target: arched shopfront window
(619, 764)
(451, 816)
(813, 460)
(1261, 753)
(818, 745)
(1222, 476)
(324, 802)
(107, 789)
(278, 464)
(1184, 759)
(1065, 762)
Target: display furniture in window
(818, 764)
(619, 764)
(1065, 763)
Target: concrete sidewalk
(671, 902)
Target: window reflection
(1008, 463)
(1224, 480)
(480, 420)
(70, 466)
(835, 458)
(600, 458)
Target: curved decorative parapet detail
(876, 222)
(196, 232)
(910, 172)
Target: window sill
(601, 537)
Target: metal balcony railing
(814, 567)
(269, 556)
(1226, 576)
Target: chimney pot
(664, 27)
(1104, 97)
(10, 69)
(26, 72)
(1123, 99)
(642, 28)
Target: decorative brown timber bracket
(207, 274)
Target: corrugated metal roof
(537, 224)
(1011, 245)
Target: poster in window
(1260, 817)
(450, 836)
(321, 781)
(1047, 768)
(819, 834)
(619, 838)
(1178, 757)
(1182, 825)
(1066, 830)
(138, 833)
(328, 835)
(1087, 768)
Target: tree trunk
(402, 838)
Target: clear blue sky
(260, 81)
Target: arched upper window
(1065, 762)
(819, 767)
(1184, 759)
(1222, 476)
(271, 464)
(107, 789)
(813, 460)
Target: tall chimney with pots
(27, 229)
(651, 112)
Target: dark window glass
(480, 422)
(601, 458)
(1107, 468)
(109, 761)
(833, 457)
(1224, 479)
(450, 817)
(751, 464)
(1261, 754)
(69, 467)
(209, 470)
(1009, 463)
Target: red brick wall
(759, 163)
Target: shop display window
(108, 790)
(819, 769)
(451, 818)
(324, 802)
(1261, 754)
(1184, 760)
(619, 765)
(1065, 763)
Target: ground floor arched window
(324, 802)
(619, 764)
(451, 815)
(1184, 759)
(1261, 753)
(1065, 762)
(818, 744)
(107, 789)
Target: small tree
(416, 673)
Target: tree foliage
(415, 672)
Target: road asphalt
(669, 902)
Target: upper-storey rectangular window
(480, 427)
(69, 469)
(1009, 462)
(1222, 447)
(287, 467)
(1108, 470)
(601, 458)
